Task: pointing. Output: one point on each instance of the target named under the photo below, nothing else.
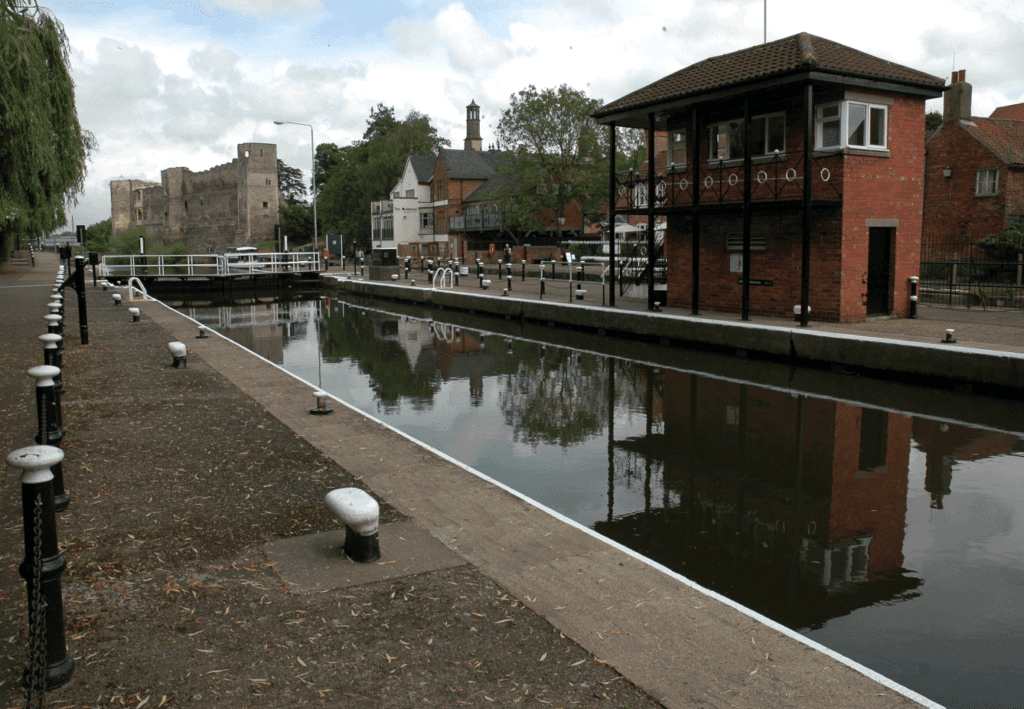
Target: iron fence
(964, 275)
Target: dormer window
(850, 124)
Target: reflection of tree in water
(560, 397)
(384, 361)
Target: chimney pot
(963, 75)
(954, 78)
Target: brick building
(233, 204)
(455, 196)
(974, 174)
(746, 232)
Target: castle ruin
(234, 204)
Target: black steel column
(748, 165)
(650, 210)
(611, 215)
(695, 214)
(83, 316)
(805, 244)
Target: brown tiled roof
(801, 52)
(1015, 112)
(1003, 137)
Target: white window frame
(845, 108)
(986, 182)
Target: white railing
(200, 265)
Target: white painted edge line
(852, 664)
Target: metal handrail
(200, 265)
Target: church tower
(473, 140)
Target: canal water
(881, 520)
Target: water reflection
(811, 510)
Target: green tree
(43, 149)
(366, 170)
(932, 120)
(290, 183)
(554, 147)
(97, 236)
(297, 223)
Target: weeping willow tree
(43, 149)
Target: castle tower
(473, 140)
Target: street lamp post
(312, 170)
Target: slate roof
(1005, 138)
(800, 53)
(470, 164)
(1014, 112)
(423, 166)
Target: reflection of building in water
(944, 444)
(264, 328)
(813, 530)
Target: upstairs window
(986, 182)
(850, 124)
(677, 147)
(410, 193)
(767, 137)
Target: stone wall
(233, 204)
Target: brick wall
(952, 213)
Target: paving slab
(315, 563)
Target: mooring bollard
(360, 514)
(55, 325)
(524, 270)
(180, 354)
(949, 337)
(52, 357)
(321, 404)
(51, 425)
(117, 298)
(42, 569)
(542, 281)
(913, 296)
(485, 283)
(508, 279)
(135, 314)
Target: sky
(167, 83)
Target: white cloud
(265, 8)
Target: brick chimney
(473, 140)
(956, 103)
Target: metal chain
(35, 673)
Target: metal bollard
(508, 279)
(52, 356)
(499, 269)
(321, 408)
(179, 353)
(524, 270)
(913, 296)
(202, 333)
(55, 325)
(42, 568)
(117, 298)
(135, 314)
(949, 337)
(51, 425)
(542, 281)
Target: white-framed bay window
(767, 137)
(850, 124)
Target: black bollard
(509, 281)
(52, 357)
(542, 281)
(499, 270)
(42, 570)
(524, 270)
(913, 296)
(83, 316)
(51, 425)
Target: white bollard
(135, 314)
(177, 350)
(117, 298)
(360, 514)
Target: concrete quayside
(980, 369)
